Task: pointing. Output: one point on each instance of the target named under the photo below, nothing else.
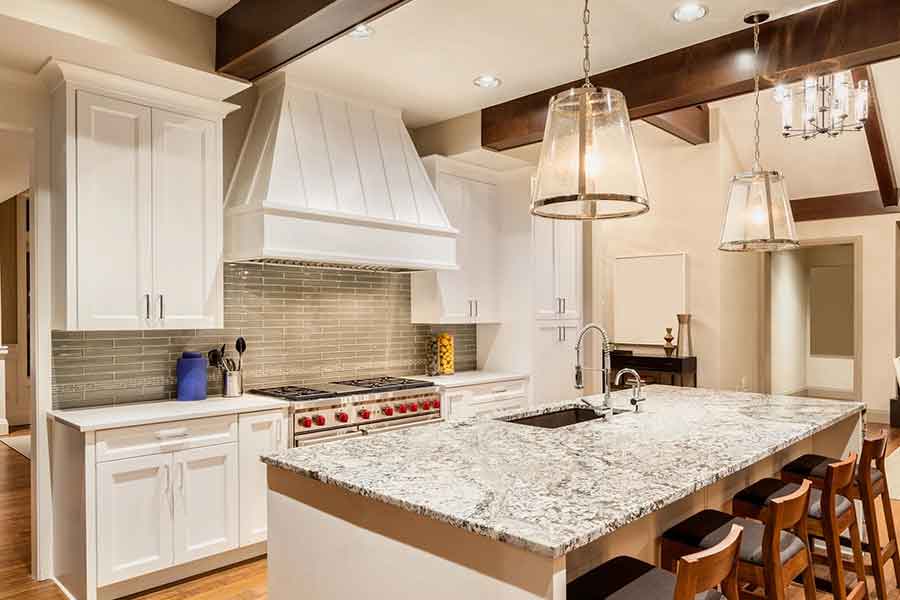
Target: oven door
(401, 424)
(321, 437)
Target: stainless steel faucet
(605, 386)
(636, 397)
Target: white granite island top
(551, 491)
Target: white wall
(788, 322)
(15, 162)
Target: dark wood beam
(255, 37)
(840, 35)
(689, 124)
(878, 144)
(861, 204)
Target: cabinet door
(546, 298)
(134, 517)
(112, 216)
(205, 495)
(553, 377)
(484, 230)
(259, 434)
(187, 222)
(568, 259)
(455, 290)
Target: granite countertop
(463, 378)
(554, 490)
(146, 413)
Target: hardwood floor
(246, 581)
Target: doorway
(814, 332)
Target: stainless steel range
(344, 409)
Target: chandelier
(829, 105)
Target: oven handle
(311, 439)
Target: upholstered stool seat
(761, 493)
(627, 578)
(814, 467)
(709, 527)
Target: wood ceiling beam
(878, 144)
(840, 206)
(255, 37)
(689, 124)
(836, 36)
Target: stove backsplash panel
(302, 325)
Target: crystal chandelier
(758, 215)
(589, 166)
(830, 105)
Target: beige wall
(154, 27)
(788, 321)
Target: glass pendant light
(589, 166)
(758, 216)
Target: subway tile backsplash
(302, 325)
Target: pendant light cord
(756, 165)
(586, 63)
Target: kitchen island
(495, 509)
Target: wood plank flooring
(246, 581)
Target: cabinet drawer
(127, 442)
(517, 387)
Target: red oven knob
(306, 422)
(365, 414)
(426, 405)
(387, 411)
(413, 407)
(319, 420)
(401, 408)
(342, 417)
(437, 403)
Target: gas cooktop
(297, 393)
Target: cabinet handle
(471, 313)
(476, 309)
(165, 488)
(162, 308)
(168, 434)
(147, 304)
(182, 483)
(563, 305)
(559, 334)
(563, 333)
(278, 433)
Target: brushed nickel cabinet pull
(147, 305)
(162, 308)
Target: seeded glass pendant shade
(758, 215)
(589, 167)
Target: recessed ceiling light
(362, 32)
(487, 81)
(690, 12)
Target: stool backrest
(788, 511)
(711, 568)
(838, 478)
(872, 456)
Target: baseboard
(63, 589)
(179, 572)
(4, 426)
(876, 415)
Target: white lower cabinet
(134, 517)
(260, 433)
(205, 496)
(482, 399)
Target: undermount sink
(560, 418)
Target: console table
(672, 370)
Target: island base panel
(641, 538)
(325, 542)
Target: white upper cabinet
(469, 294)
(187, 222)
(557, 251)
(137, 179)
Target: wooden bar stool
(830, 513)
(870, 484)
(773, 552)
(626, 578)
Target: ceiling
(425, 54)
(212, 8)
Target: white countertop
(145, 413)
(463, 378)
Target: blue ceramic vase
(190, 373)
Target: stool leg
(835, 565)
(870, 514)
(858, 554)
(892, 531)
(809, 579)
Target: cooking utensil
(229, 363)
(241, 346)
(215, 358)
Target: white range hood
(324, 180)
